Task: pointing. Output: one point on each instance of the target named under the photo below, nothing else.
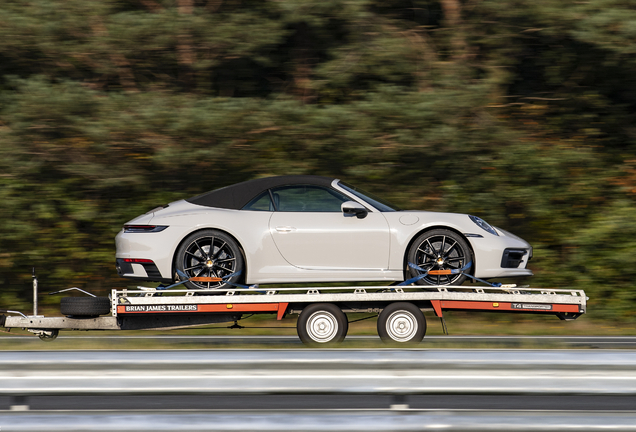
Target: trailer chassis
(322, 310)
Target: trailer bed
(151, 308)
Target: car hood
(423, 219)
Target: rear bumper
(142, 271)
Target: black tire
(85, 306)
(209, 253)
(322, 324)
(50, 336)
(439, 249)
(402, 323)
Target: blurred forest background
(518, 111)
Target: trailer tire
(49, 335)
(402, 323)
(322, 324)
(85, 306)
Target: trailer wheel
(85, 306)
(49, 335)
(401, 322)
(322, 324)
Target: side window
(261, 203)
(307, 199)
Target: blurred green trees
(518, 111)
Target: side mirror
(352, 208)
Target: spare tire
(85, 306)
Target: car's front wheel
(209, 254)
(439, 249)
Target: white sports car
(294, 229)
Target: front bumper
(501, 256)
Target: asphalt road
(591, 342)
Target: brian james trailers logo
(162, 308)
(531, 306)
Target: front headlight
(483, 224)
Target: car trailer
(322, 310)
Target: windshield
(375, 201)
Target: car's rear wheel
(322, 324)
(439, 249)
(209, 254)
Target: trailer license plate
(531, 306)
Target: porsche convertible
(299, 229)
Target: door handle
(285, 229)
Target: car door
(311, 231)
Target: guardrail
(319, 371)
(397, 373)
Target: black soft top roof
(237, 196)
